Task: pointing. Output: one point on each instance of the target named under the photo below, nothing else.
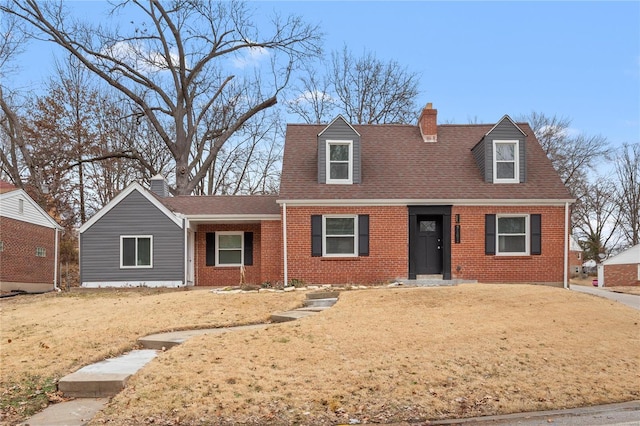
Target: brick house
(29, 241)
(358, 204)
(621, 270)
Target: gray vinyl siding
(338, 130)
(479, 155)
(134, 215)
(505, 130)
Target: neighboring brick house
(29, 241)
(358, 204)
(621, 270)
(575, 257)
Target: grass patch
(379, 355)
(392, 355)
(44, 337)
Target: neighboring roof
(221, 207)
(398, 165)
(123, 194)
(6, 187)
(574, 245)
(630, 256)
(31, 213)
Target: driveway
(628, 299)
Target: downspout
(566, 245)
(284, 242)
(55, 260)
(186, 251)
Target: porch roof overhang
(230, 218)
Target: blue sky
(481, 60)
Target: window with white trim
(1, 245)
(506, 164)
(41, 252)
(512, 235)
(339, 164)
(229, 248)
(136, 251)
(340, 235)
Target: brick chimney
(428, 123)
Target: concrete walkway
(93, 384)
(632, 300)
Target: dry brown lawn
(44, 337)
(378, 355)
(385, 355)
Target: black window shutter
(363, 235)
(536, 233)
(248, 248)
(211, 249)
(316, 235)
(490, 234)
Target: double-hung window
(513, 234)
(339, 162)
(506, 167)
(229, 248)
(340, 236)
(136, 251)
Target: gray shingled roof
(397, 165)
(223, 204)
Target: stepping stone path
(93, 384)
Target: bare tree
(171, 65)
(313, 101)
(628, 192)
(574, 156)
(595, 218)
(370, 91)
(365, 90)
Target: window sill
(514, 257)
(338, 259)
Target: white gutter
(425, 202)
(284, 243)
(55, 261)
(185, 256)
(566, 245)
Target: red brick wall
(621, 275)
(267, 258)
(271, 252)
(388, 247)
(474, 264)
(18, 260)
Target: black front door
(429, 244)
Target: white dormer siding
(339, 154)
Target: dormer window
(506, 162)
(339, 162)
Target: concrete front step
(290, 315)
(321, 302)
(163, 341)
(323, 295)
(105, 378)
